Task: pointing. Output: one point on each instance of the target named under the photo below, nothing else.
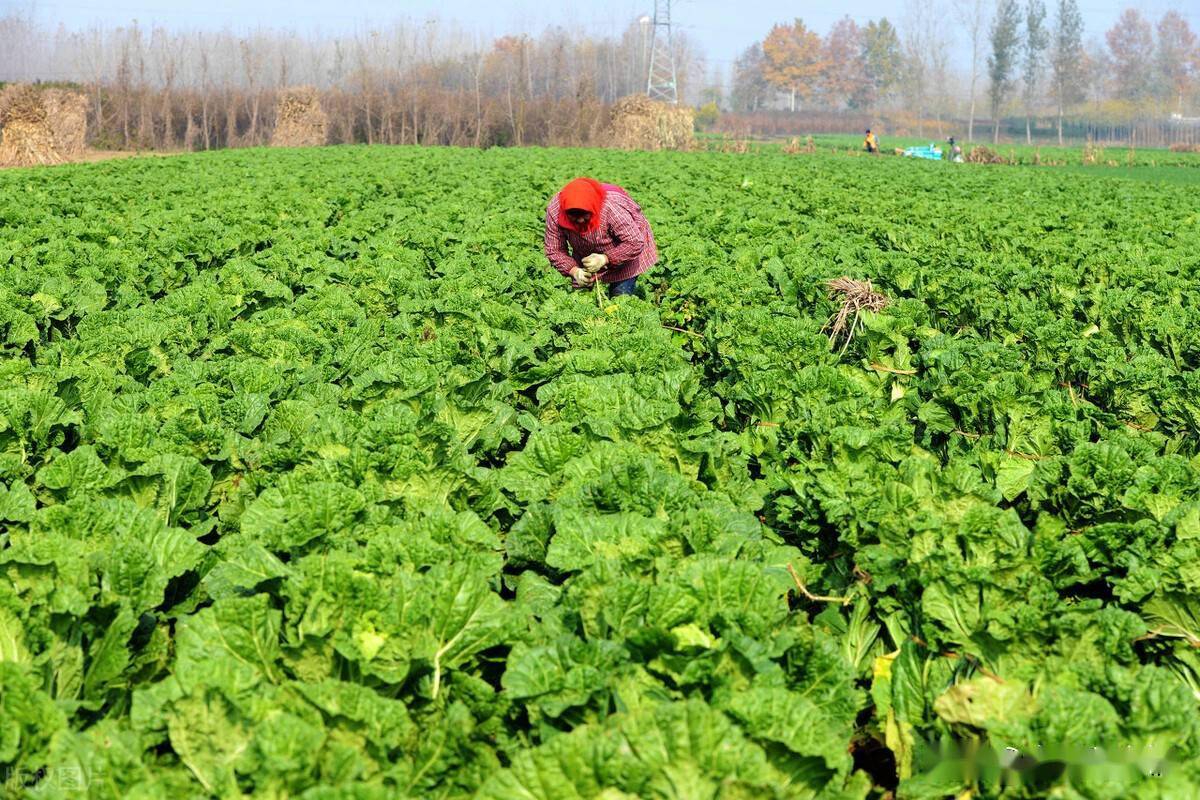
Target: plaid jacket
(623, 235)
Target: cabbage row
(315, 482)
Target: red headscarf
(582, 193)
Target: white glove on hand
(580, 278)
(595, 262)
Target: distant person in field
(871, 144)
(595, 231)
(955, 155)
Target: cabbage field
(316, 482)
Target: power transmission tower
(661, 83)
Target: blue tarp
(931, 152)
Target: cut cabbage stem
(817, 598)
(684, 330)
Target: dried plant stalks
(39, 127)
(985, 155)
(299, 119)
(794, 147)
(855, 297)
(736, 146)
(66, 114)
(639, 123)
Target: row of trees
(426, 82)
(851, 67)
(1145, 71)
(437, 82)
(1022, 52)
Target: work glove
(581, 278)
(595, 262)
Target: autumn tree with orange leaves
(794, 60)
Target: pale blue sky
(722, 27)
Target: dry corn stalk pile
(66, 113)
(985, 155)
(40, 127)
(299, 119)
(639, 123)
(855, 297)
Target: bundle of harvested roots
(855, 297)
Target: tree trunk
(793, 100)
(971, 119)
(478, 103)
(168, 122)
(125, 116)
(1060, 117)
(231, 133)
(99, 108)
(254, 118)
(189, 135)
(512, 117)
(145, 121)
(204, 118)
(370, 130)
(1028, 132)
(388, 133)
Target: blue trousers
(627, 286)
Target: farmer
(871, 144)
(955, 154)
(595, 231)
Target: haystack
(41, 126)
(67, 114)
(299, 119)
(985, 155)
(639, 123)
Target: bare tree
(926, 49)
(88, 58)
(205, 89)
(164, 50)
(123, 88)
(252, 64)
(973, 16)
(1098, 73)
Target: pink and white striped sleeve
(625, 229)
